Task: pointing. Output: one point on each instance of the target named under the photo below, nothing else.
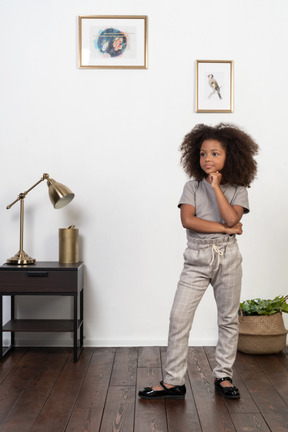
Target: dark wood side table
(43, 278)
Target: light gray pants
(215, 262)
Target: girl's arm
(230, 214)
(192, 222)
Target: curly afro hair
(240, 166)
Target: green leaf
(264, 307)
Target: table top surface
(41, 265)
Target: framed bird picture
(214, 86)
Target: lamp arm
(23, 195)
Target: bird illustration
(214, 85)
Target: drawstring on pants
(218, 251)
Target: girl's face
(212, 156)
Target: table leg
(75, 327)
(1, 323)
(81, 318)
(12, 318)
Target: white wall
(113, 137)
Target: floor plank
(182, 415)
(250, 422)
(18, 380)
(119, 410)
(149, 357)
(246, 404)
(10, 361)
(44, 390)
(89, 406)
(28, 406)
(150, 416)
(125, 367)
(273, 409)
(211, 407)
(58, 407)
(251, 373)
(276, 373)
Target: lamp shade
(59, 194)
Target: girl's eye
(215, 154)
(202, 154)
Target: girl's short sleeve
(188, 194)
(241, 198)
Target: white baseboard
(140, 343)
(61, 340)
(68, 342)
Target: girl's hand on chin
(215, 179)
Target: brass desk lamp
(59, 195)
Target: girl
(221, 161)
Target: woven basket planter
(262, 334)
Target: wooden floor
(43, 390)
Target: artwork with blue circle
(112, 42)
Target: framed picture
(113, 42)
(214, 86)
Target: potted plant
(261, 326)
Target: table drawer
(39, 281)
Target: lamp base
(21, 258)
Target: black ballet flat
(176, 392)
(227, 392)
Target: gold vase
(68, 245)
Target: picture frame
(113, 42)
(214, 86)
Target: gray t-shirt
(201, 196)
